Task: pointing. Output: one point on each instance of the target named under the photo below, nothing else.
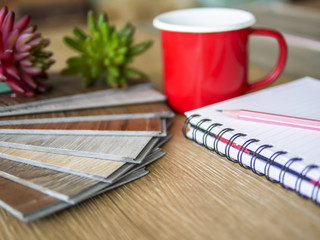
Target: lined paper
(300, 98)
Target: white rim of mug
(234, 19)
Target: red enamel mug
(205, 55)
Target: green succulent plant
(104, 51)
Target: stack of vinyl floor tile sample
(58, 151)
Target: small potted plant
(23, 60)
(104, 52)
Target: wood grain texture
(54, 183)
(130, 111)
(134, 174)
(66, 187)
(128, 149)
(28, 204)
(110, 97)
(98, 169)
(121, 127)
(21, 200)
(62, 88)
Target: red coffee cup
(205, 55)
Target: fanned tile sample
(145, 110)
(22, 201)
(120, 127)
(118, 148)
(28, 204)
(111, 97)
(66, 187)
(54, 183)
(94, 168)
(68, 145)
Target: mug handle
(277, 69)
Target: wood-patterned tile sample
(22, 201)
(94, 168)
(118, 148)
(122, 127)
(54, 183)
(143, 93)
(66, 187)
(146, 110)
(61, 86)
(28, 204)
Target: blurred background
(298, 20)
(57, 11)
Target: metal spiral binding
(254, 158)
(194, 132)
(284, 170)
(315, 192)
(302, 176)
(241, 151)
(205, 135)
(270, 163)
(219, 136)
(185, 125)
(229, 144)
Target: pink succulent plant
(23, 61)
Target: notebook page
(300, 98)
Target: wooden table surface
(190, 193)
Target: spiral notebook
(286, 155)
